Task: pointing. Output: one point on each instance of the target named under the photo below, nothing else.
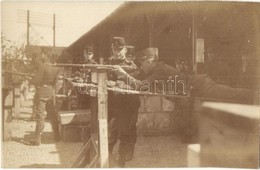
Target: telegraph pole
(28, 27)
(54, 30)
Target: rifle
(20, 74)
(16, 59)
(93, 66)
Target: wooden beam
(102, 118)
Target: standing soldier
(34, 66)
(85, 75)
(45, 80)
(122, 108)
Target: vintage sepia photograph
(130, 84)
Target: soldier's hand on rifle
(119, 71)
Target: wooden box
(74, 133)
(229, 135)
(74, 117)
(74, 125)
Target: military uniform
(122, 115)
(85, 74)
(123, 112)
(45, 91)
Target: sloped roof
(131, 19)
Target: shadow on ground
(47, 138)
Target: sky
(73, 19)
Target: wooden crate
(74, 133)
(74, 125)
(229, 135)
(74, 117)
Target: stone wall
(157, 116)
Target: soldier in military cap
(45, 80)
(85, 75)
(88, 56)
(122, 115)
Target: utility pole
(54, 30)
(28, 27)
(34, 20)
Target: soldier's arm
(127, 78)
(203, 86)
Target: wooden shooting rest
(95, 151)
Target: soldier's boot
(121, 161)
(36, 141)
(122, 155)
(130, 153)
(113, 163)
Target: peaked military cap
(88, 49)
(118, 42)
(130, 50)
(148, 53)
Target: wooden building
(181, 30)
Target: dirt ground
(152, 151)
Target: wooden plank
(94, 162)
(102, 117)
(74, 116)
(229, 135)
(81, 154)
(103, 143)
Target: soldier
(122, 115)
(45, 80)
(85, 74)
(88, 56)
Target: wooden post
(94, 118)
(194, 37)
(102, 117)
(7, 103)
(17, 102)
(54, 30)
(28, 28)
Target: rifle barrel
(16, 59)
(88, 65)
(20, 74)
